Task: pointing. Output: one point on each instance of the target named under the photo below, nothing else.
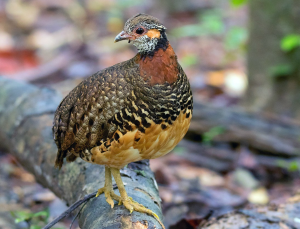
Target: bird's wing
(83, 118)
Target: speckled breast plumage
(115, 117)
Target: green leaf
(235, 38)
(210, 23)
(208, 136)
(290, 42)
(41, 213)
(293, 166)
(281, 70)
(35, 227)
(237, 3)
(21, 216)
(19, 220)
(189, 60)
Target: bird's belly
(135, 145)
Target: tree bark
(274, 75)
(26, 116)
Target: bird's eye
(139, 31)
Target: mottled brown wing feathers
(81, 120)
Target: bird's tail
(60, 158)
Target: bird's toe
(132, 205)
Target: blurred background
(237, 54)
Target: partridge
(138, 109)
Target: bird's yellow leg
(108, 189)
(127, 201)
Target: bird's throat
(159, 68)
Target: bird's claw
(132, 205)
(100, 191)
(109, 200)
(110, 196)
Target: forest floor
(213, 57)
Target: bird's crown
(145, 20)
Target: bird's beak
(122, 36)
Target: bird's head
(145, 32)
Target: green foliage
(281, 70)
(189, 60)
(209, 136)
(210, 23)
(292, 166)
(237, 3)
(236, 38)
(35, 227)
(35, 220)
(21, 216)
(290, 42)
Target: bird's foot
(109, 195)
(132, 205)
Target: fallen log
(224, 159)
(26, 116)
(262, 133)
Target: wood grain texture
(26, 114)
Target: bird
(134, 110)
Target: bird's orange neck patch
(160, 68)
(153, 33)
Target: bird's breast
(160, 68)
(158, 140)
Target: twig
(70, 210)
(77, 215)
